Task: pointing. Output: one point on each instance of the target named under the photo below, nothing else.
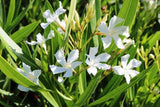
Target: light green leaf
(11, 12)
(128, 12)
(153, 38)
(123, 87)
(24, 32)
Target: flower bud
(152, 56)
(77, 19)
(73, 24)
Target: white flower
(128, 42)
(62, 24)
(66, 65)
(41, 40)
(94, 61)
(113, 31)
(60, 79)
(52, 17)
(33, 76)
(127, 70)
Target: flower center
(111, 32)
(31, 76)
(68, 65)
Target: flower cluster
(93, 61)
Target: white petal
(44, 46)
(68, 73)
(103, 28)
(37, 73)
(60, 10)
(47, 14)
(124, 60)
(56, 69)
(60, 30)
(75, 64)
(27, 68)
(123, 30)
(118, 42)
(31, 43)
(115, 21)
(92, 70)
(102, 57)
(88, 62)
(133, 73)
(21, 71)
(51, 35)
(60, 57)
(134, 63)
(118, 70)
(60, 79)
(74, 54)
(92, 52)
(102, 66)
(106, 41)
(44, 25)
(40, 39)
(127, 78)
(22, 88)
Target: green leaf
(24, 32)
(153, 38)
(15, 22)
(123, 87)
(88, 91)
(11, 12)
(128, 12)
(2, 13)
(13, 74)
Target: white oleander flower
(52, 17)
(60, 79)
(127, 70)
(68, 65)
(94, 62)
(41, 40)
(113, 31)
(31, 75)
(128, 42)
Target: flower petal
(118, 42)
(74, 54)
(22, 88)
(102, 57)
(92, 70)
(115, 21)
(47, 14)
(31, 43)
(37, 73)
(60, 10)
(68, 73)
(75, 64)
(44, 25)
(118, 70)
(27, 68)
(127, 78)
(51, 35)
(103, 28)
(106, 41)
(40, 39)
(124, 60)
(60, 79)
(102, 66)
(56, 69)
(60, 57)
(92, 52)
(123, 30)
(134, 63)
(133, 73)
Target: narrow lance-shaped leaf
(123, 87)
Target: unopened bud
(65, 18)
(77, 19)
(105, 18)
(90, 11)
(152, 56)
(73, 24)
